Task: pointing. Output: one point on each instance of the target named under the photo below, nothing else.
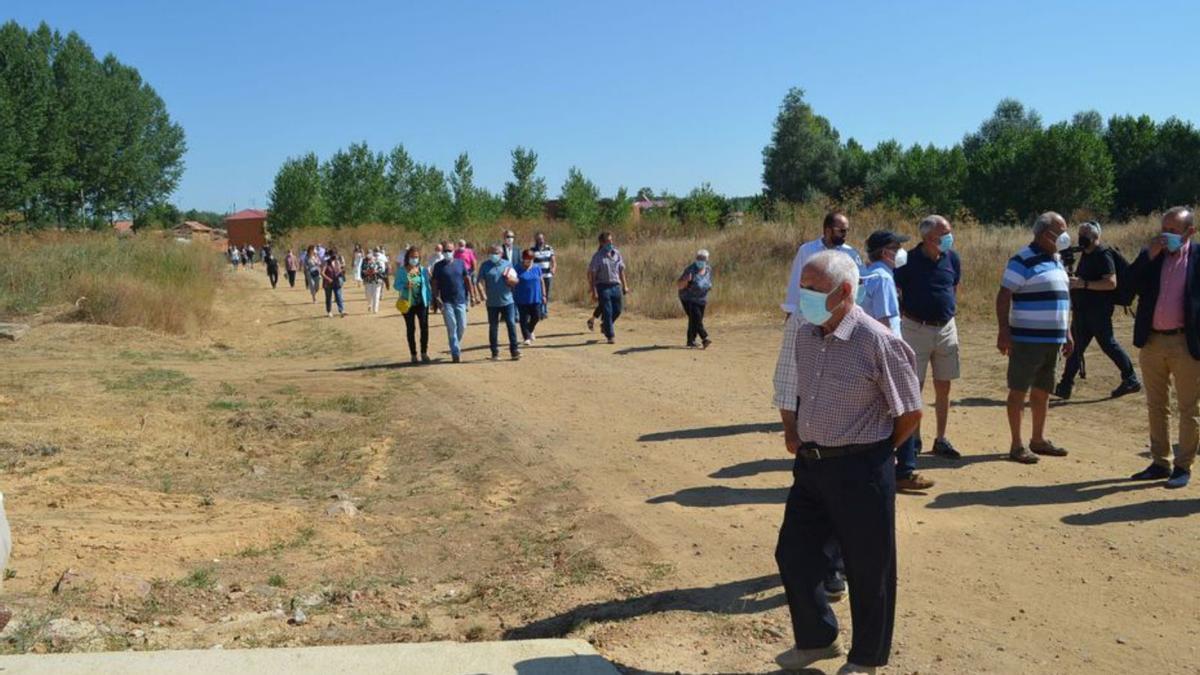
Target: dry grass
(145, 280)
(751, 262)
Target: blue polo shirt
(452, 288)
(499, 293)
(927, 286)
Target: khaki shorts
(935, 345)
(1033, 365)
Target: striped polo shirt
(1041, 303)
(541, 258)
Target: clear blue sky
(665, 94)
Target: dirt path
(675, 464)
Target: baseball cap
(883, 238)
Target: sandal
(1022, 456)
(1048, 449)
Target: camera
(1069, 258)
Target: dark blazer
(1145, 275)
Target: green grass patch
(202, 578)
(149, 380)
(226, 404)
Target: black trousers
(529, 317)
(417, 314)
(1095, 323)
(291, 274)
(273, 275)
(695, 315)
(853, 499)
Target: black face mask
(837, 240)
(1086, 242)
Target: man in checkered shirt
(848, 394)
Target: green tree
(296, 198)
(580, 201)
(1133, 145)
(618, 210)
(525, 195)
(802, 158)
(928, 178)
(432, 203)
(1000, 162)
(702, 206)
(472, 204)
(1179, 159)
(355, 186)
(1071, 169)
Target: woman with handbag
(412, 281)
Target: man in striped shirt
(1033, 309)
(543, 257)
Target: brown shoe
(914, 483)
(1022, 456)
(1048, 449)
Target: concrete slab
(519, 657)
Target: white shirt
(806, 251)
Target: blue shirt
(1041, 297)
(927, 286)
(881, 301)
(529, 286)
(451, 286)
(492, 275)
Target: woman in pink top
(467, 255)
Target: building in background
(248, 226)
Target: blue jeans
(509, 314)
(455, 317)
(906, 457)
(611, 298)
(330, 294)
(546, 299)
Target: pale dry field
(626, 494)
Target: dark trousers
(611, 299)
(330, 295)
(508, 314)
(530, 315)
(1095, 323)
(273, 275)
(291, 274)
(853, 500)
(545, 309)
(695, 315)
(417, 314)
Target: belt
(1173, 331)
(811, 451)
(923, 322)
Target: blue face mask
(812, 306)
(495, 258)
(946, 242)
(1174, 241)
(701, 264)
(413, 262)
(608, 247)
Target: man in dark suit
(1167, 329)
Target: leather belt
(812, 451)
(1173, 331)
(923, 322)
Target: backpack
(1123, 296)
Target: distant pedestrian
(371, 274)
(606, 278)
(508, 248)
(1093, 288)
(543, 257)
(312, 271)
(467, 256)
(272, 269)
(529, 295)
(1033, 309)
(416, 294)
(437, 257)
(358, 261)
(249, 257)
(928, 286)
(332, 278)
(235, 257)
(694, 285)
(847, 394)
(449, 283)
(291, 265)
(496, 281)
(1167, 330)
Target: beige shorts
(935, 345)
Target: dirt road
(671, 468)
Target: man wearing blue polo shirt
(1033, 310)
(928, 286)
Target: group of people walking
(856, 347)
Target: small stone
(1120, 640)
(13, 331)
(344, 507)
(299, 618)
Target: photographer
(1092, 289)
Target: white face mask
(1064, 241)
(901, 259)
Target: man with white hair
(1033, 310)
(928, 286)
(1166, 328)
(1093, 289)
(833, 238)
(847, 393)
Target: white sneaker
(852, 669)
(799, 659)
(528, 342)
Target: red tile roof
(123, 226)
(247, 214)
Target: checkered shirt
(846, 387)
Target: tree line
(1011, 168)
(82, 139)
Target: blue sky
(665, 94)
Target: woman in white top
(358, 261)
